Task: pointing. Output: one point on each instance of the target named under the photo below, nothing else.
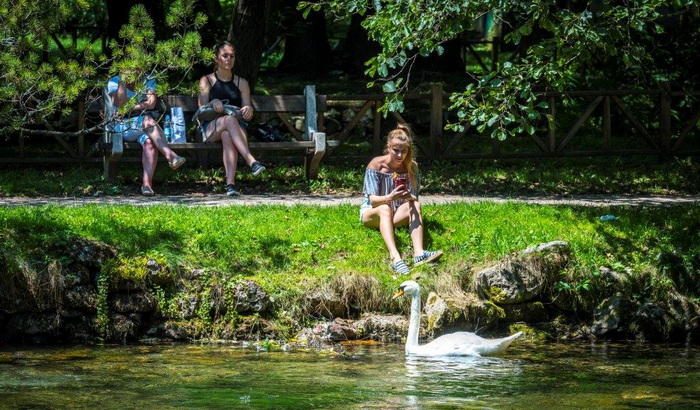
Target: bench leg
(312, 161)
(111, 168)
(109, 160)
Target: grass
(569, 176)
(297, 250)
(284, 250)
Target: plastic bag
(179, 126)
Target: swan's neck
(414, 323)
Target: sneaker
(400, 267)
(256, 168)
(147, 191)
(231, 190)
(177, 162)
(427, 256)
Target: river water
(571, 376)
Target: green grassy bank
(291, 250)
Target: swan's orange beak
(398, 294)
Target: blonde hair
(404, 133)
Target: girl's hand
(399, 192)
(247, 113)
(217, 105)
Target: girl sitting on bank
(390, 190)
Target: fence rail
(584, 123)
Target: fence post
(436, 125)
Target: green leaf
(389, 87)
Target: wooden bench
(311, 142)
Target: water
(605, 376)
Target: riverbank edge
(78, 305)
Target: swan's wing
(465, 344)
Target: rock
(336, 331)
(525, 277)
(33, 324)
(81, 330)
(91, 253)
(132, 302)
(81, 297)
(311, 339)
(123, 328)
(326, 304)
(385, 328)
(435, 309)
(76, 277)
(650, 323)
(608, 317)
(171, 331)
(187, 304)
(531, 312)
(250, 297)
(510, 282)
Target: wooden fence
(585, 123)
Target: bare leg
(237, 136)
(155, 134)
(410, 213)
(230, 157)
(149, 159)
(382, 217)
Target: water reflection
(456, 380)
(599, 375)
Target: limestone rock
(250, 297)
(509, 282)
(608, 317)
(326, 304)
(132, 302)
(386, 328)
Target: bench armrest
(311, 123)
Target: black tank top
(225, 90)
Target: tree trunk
(247, 33)
(450, 61)
(306, 49)
(357, 47)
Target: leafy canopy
(560, 45)
(38, 87)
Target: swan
(453, 344)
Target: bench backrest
(261, 103)
(309, 104)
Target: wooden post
(436, 119)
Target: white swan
(453, 344)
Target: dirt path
(330, 200)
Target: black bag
(267, 133)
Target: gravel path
(330, 200)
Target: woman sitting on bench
(140, 126)
(214, 89)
